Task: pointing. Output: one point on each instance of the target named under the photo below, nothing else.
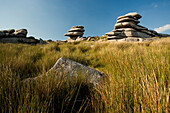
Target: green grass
(137, 77)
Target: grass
(137, 77)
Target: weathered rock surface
(127, 27)
(76, 30)
(73, 69)
(74, 33)
(128, 19)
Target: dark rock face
(73, 69)
(127, 27)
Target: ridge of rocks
(18, 36)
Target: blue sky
(51, 19)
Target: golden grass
(137, 77)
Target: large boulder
(125, 29)
(10, 31)
(128, 19)
(129, 25)
(76, 29)
(114, 37)
(74, 69)
(74, 34)
(21, 33)
(115, 33)
(133, 15)
(137, 34)
(2, 34)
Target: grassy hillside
(137, 77)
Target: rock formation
(18, 36)
(127, 27)
(74, 33)
(73, 69)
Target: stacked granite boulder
(13, 33)
(74, 33)
(127, 28)
(18, 36)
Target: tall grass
(137, 77)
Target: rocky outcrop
(74, 33)
(127, 27)
(74, 69)
(18, 36)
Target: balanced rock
(74, 33)
(74, 69)
(127, 27)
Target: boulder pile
(13, 33)
(18, 36)
(74, 33)
(127, 27)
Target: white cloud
(163, 28)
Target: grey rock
(10, 31)
(76, 29)
(136, 34)
(125, 29)
(2, 34)
(133, 15)
(17, 40)
(42, 42)
(80, 39)
(21, 33)
(74, 34)
(114, 37)
(113, 33)
(128, 25)
(74, 69)
(71, 39)
(163, 35)
(127, 19)
(134, 39)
